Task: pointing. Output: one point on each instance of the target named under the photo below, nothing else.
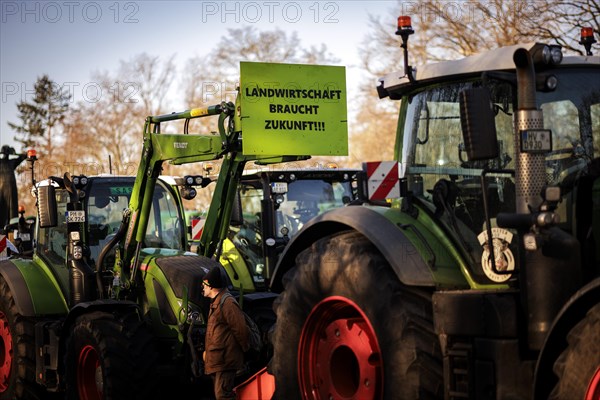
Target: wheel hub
(6, 353)
(339, 356)
(89, 374)
(593, 390)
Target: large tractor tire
(347, 328)
(110, 357)
(578, 367)
(17, 351)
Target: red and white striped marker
(197, 225)
(382, 180)
(3, 246)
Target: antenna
(109, 165)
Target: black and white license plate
(536, 140)
(75, 216)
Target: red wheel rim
(89, 374)
(593, 390)
(6, 353)
(338, 355)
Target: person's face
(207, 291)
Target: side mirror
(237, 216)
(478, 124)
(47, 212)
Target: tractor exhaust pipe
(530, 176)
(548, 274)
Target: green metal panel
(45, 292)
(450, 269)
(235, 265)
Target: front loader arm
(184, 149)
(158, 148)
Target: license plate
(279, 187)
(536, 140)
(75, 216)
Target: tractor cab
(272, 207)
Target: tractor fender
(34, 292)
(556, 341)
(397, 249)
(108, 305)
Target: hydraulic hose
(108, 247)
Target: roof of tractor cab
(302, 173)
(492, 60)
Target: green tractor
(110, 305)
(480, 279)
(271, 208)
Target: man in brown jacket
(226, 334)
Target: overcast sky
(69, 40)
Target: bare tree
(150, 79)
(563, 22)
(111, 124)
(214, 78)
(451, 30)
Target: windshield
(108, 199)
(305, 199)
(278, 215)
(440, 175)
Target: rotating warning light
(31, 154)
(587, 39)
(404, 26)
(587, 34)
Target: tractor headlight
(556, 54)
(188, 192)
(546, 55)
(77, 252)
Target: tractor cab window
(52, 242)
(271, 219)
(108, 199)
(442, 178)
(305, 199)
(243, 248)
(164, 225)
(436, 162)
